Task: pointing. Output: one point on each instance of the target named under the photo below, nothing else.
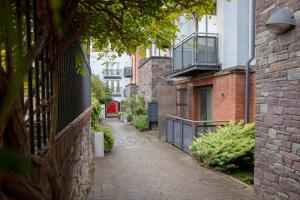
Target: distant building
(114, 75)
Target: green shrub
(120, 114)
(109, 139)
(135, 104)
(129, 117)
(140, 110)
(141, 122)
(96, 112)
(226, 148)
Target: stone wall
(277, 153)
(151, 75)
(75, 160)
(78, 168)
(131, 89)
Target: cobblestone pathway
(141, 167)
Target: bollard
(99, 144)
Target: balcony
(127, 72)
(196, 54)
(112, 73)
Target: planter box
(99, 144)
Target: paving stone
(140, 167)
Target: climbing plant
(29, 28)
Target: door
(111, 107)
(206, 103)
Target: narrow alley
(141, 167)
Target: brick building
(209, 65)
(226, 94)
(277, 154)
(149, 70)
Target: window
(205, 96)
(182, 103)
(114, 86)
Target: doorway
(205, 96)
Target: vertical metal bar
(48, 96)
(44, 130)
(37, 104)
(37, 82)
(20, 44)
(30, 95)
(65, 90)
(59, 99)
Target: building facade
(209, 64)
(150, 67)
(115, 74)
(277, 153)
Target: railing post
(173, 131)
(181, 131)
(194, 129)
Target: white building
(112, 73)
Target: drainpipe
(252, 56)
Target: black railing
(112, 72)
(199, 49)
(127, 72)
(74, 86)
(181, 132)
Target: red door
(112, 107)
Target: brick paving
(141, 167)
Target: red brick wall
(252, 97)
(135, 59)
(228, 96)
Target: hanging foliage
(36, 32)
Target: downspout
(252, 56)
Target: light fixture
(281, 21)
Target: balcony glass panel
(188, 47)
(198, 50)
(206, 50)
(177, 56)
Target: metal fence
(197, 49)
(74, 88)
(181, 132)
